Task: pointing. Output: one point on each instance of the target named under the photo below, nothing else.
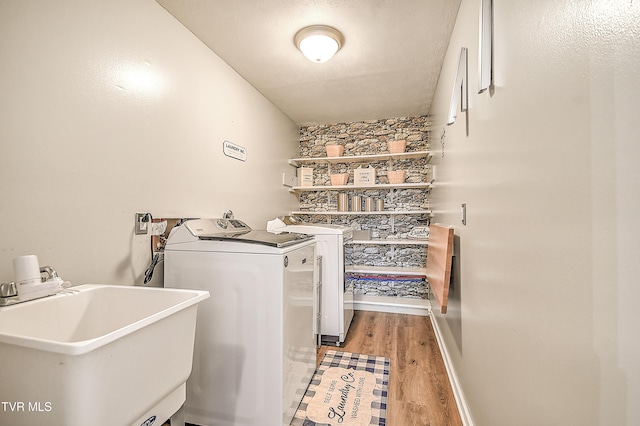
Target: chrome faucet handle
(49, 271)
(8, 289)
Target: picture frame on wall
(460, 88)
(485, 46)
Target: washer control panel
(216, 227)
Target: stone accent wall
(397, 287)
(366, 138)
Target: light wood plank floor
(419, 389)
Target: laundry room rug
(347, 389)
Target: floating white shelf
(385, 270)
(384, 212)
(423, 185)
(391, 242)
(361, 158)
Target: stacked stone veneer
(366, 138)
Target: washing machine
(336, 304)
(255, 348)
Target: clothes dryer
(336, 305)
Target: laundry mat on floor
(347, 389)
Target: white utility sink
(97, 355)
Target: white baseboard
(463, 409)
(395, 305)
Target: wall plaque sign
(232, 150)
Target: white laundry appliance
(336, 305)
(255, 350)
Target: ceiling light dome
(318, 42)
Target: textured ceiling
(388, 67)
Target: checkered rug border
(379, 366)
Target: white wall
(543, 322)
(113, 107)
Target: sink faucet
(49, 271)
(49, 286)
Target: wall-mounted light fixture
(318, 42)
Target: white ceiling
(388, 67)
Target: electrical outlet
(141, 226)
(289, 179)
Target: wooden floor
(419, 389)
